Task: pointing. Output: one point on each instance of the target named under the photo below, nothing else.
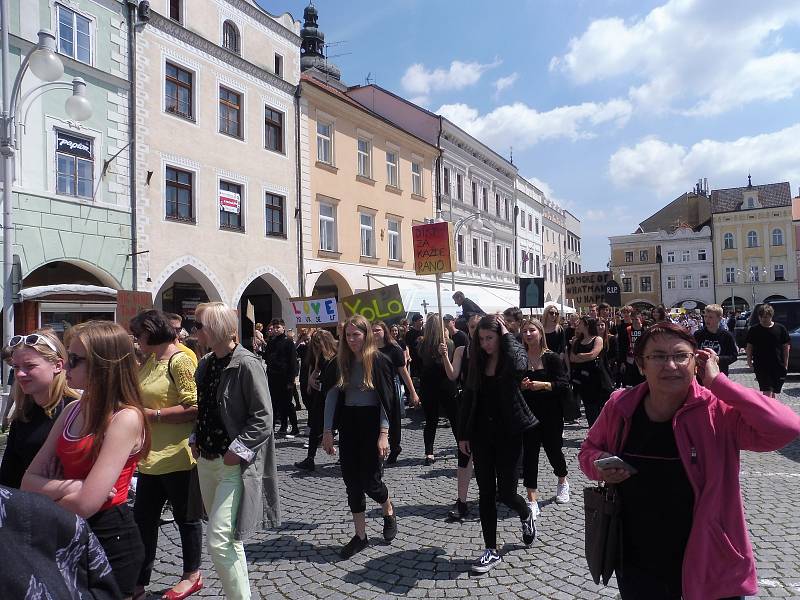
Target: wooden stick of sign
(434, 253)
(439, 301)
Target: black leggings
(396, 418)
(152, 491)
(362, 468)
(119, 536)
(594, 399)
(282, 401)
(316, 418)
(495, 459)
(638, 584)
(548, 433)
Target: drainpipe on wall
(437, 207)
(301, 283)
(132, 8)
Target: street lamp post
(47, 66)
(476, 216)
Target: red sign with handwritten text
(433, 248)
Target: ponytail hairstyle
(23, 403)
(345, 356)
(112, 380)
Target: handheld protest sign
(314, 311)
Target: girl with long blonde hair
(359, 405)
(39, 394)
(438, 391)
(98, 442)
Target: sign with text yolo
(375, 305)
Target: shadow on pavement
(792, 450)
(288, 547)
(399, 572)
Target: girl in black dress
(589, 374)
(438, 392)
(543, 387)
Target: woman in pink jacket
(684, 532)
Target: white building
(529, 228)
(687, 268)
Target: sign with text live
(375, 305)
(315, 311)
(586, 288)
(433, 248)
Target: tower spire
(312, 48)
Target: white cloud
(522, 126)
(503, 83)
(421, 81)
(696, 56)
(653, 165)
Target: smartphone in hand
(614, 462)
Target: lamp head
(44, 62)
(78, 106)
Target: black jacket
(469, 308)
(516, 416)
(555, 371)
(281, 357)
(382, 379)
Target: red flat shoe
(173, 595)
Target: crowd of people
(192, 419)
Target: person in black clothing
(40, 393)
(281, 371)
(626, 341)
(493, 420)
(411, 338)
(711, 336)
(358, 403)
(301, 348)
(438, 391)
(322, 356)
(513, 318)
(468, 308)
(768, 348)
(386, 344)
(589, 372)
(460, 338)
(544, 385)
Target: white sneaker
(487, 561)
(562, 493)
(534, 506)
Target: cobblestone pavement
(430, 558)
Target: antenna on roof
(511, 151)
(368, 79)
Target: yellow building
(636, 266)
(366, 182)
(754, 244)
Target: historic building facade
(529, 228)
(71, 206)
(217, 156)
(636, 266)
(754, 245)
(687, 268)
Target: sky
(612, 107)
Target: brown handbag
(602, 508)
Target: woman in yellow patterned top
(169, 394)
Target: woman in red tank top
(92, 451)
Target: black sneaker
(392, 458)
(460, 511)
(354, 546)
(487, 561)
(528, 529)
(429, 460)
(389, 527)
(306, 464)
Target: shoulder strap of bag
(169, 365)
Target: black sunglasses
(73, 360)
(198, 325)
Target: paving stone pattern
(430, 558)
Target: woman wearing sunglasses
(40, 393)
(92, 451)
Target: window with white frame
(701, 254)
(278, 68)
(643, 255)
(752, 239)
(486, 254)
(274, 212)
(755, 273)
(627, 285)
(730, 274)
(704, 281)
(686, 255)
(777, 237)
(670, 256)
(179, 91)
(460, 248)
(393, 227)
(179, 191)
(327, 227)
(231, 206)
(688, 282)
(365, 158)
(230, 37)
(325, 142)
(391, 169)
(727, 241)
(74, 165)
(530, 224)
(459, 187)
(446, 181)
(522, 218)
(499, 258)
(367, 223)
(74, 35)
(507, 211)
(537, 226)
(416, 178)
(475, 259)
(629, 256)
(670, 282)
(523, 259)
(485, 200)
(273, 129)
(508, 259)
(538, 265)
(474, 193)
(645, 284)
(779, 273)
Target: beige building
(366, 182)
(636, 266)
(216, 156)
(754, 244)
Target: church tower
(312, 49)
